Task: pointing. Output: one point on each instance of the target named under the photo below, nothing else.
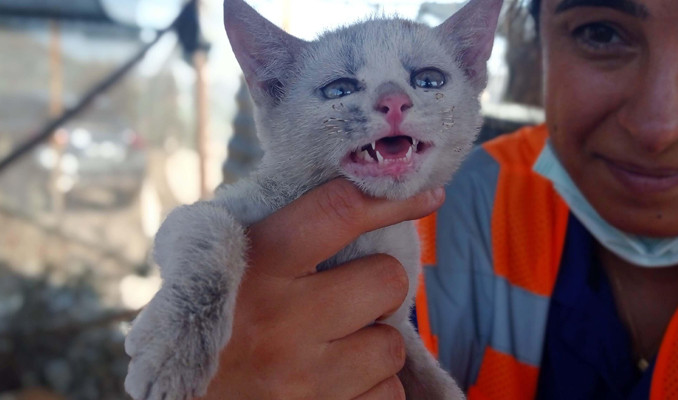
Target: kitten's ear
(265, 52)
(470, 34)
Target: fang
(380, 158)
(365, 155)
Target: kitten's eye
(428, 78)
(339, 88)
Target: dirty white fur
(175, 341)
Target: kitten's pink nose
(394, 106)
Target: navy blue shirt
(587, 350)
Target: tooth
(380, 158)
(366, 156)
(374, 146)
(408, 156)
(415, 143)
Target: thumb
(293, 240)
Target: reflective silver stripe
(459, 288)
(469, 306)
(519, 322)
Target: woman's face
(611, 98)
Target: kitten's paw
(144, 383)
(171, 358)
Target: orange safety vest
(543, 225)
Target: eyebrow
(626, 6)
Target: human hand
(301, 334)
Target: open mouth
(391, 155)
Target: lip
(643, 180)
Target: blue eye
(339, 88)
(428, 78)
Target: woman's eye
(598, 36)
(339, 88)
(428, 78)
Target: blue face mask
(638, 250)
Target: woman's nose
(651, 113)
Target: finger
(292, 241)
(340, 301)
(389, 389)
(365, 358)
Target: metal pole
(56, 74)
(202, 112)
(55, 109)
(287, 12)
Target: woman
(555, 272)
(580, 282)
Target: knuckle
(342, 201)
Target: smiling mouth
(388, 156)
(643, 180)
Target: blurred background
(112, 112)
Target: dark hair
(534, 7)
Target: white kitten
(390, 104)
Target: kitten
(389, 104)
